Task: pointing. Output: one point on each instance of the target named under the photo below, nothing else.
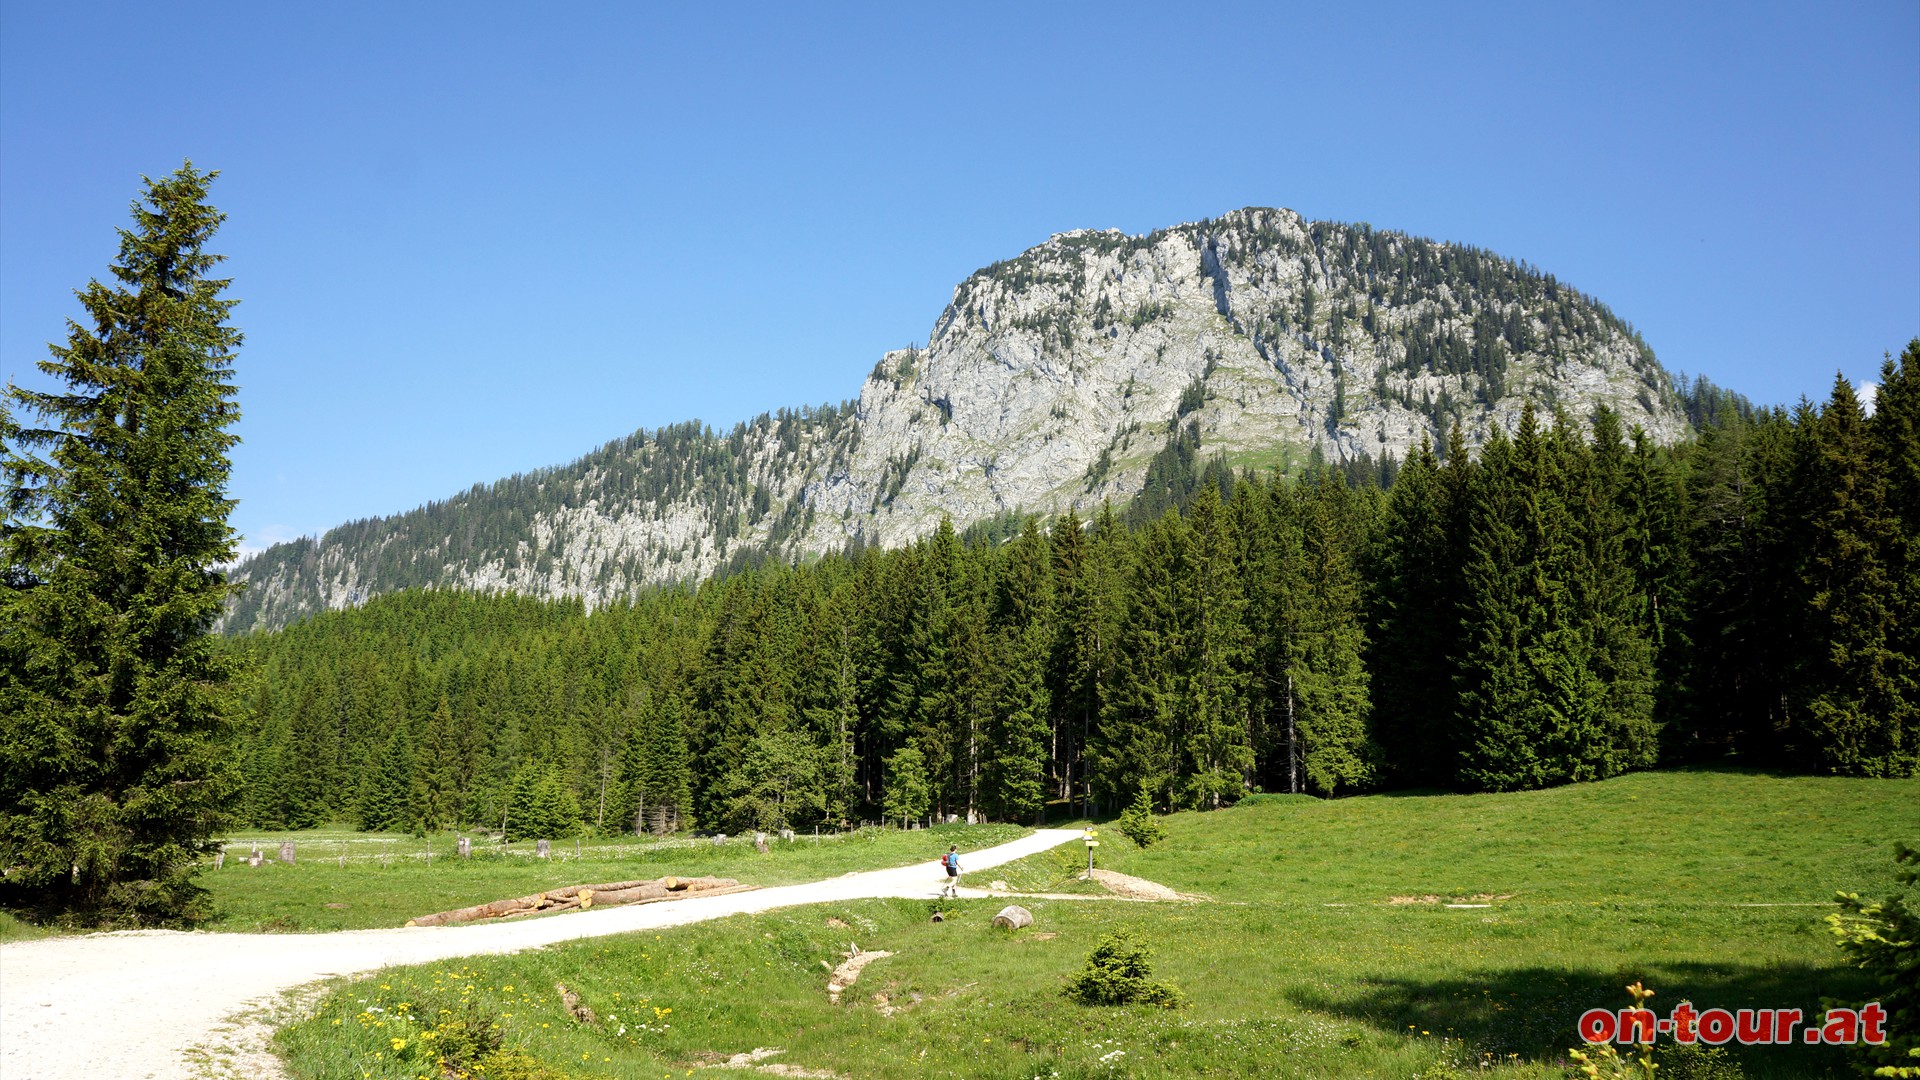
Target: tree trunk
(575, 897)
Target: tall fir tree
(1325, 640)
(386, 793)
(1216, 763)
(1895, 433)
(432, 800)
(1732, 698)
(1852, 713)
(909, 793)
(1017, 749)
(1132, 749)
(114, 703)
(1017, 770)
(1415, 610)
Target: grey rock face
(1049, 382)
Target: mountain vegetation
(1572, 603)
(1088, 370)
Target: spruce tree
(1556, 678)
(908, 792)
(385, 794)
(1325, 640)
(432, 801)
(1854, 714)
(1734, 690)
(1415, 609)
(1617, 552)
(777, 783)
(553, 809)
(661, 780)
(518, 821)
(1016, 775)
(1895, 434)
(1501, 721)
(114, 707)
(1217, 748)
(1132, 748)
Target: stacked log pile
(581, 897)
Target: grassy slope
(1301, 967)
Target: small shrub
(1117, 973)
(1883, 940)
(1692, 1061)
(1138, 824)
(1601, 1061)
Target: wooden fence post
(543, 848)
(286, 852)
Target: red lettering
(1716, 1026)
(1754, 1026)
(1683, 1015)
(1843, 1027)
(1637, 1026)
(1596, 1026)
(1872, 1021)
(1784, 1021)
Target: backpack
(950, 860)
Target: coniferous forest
(1566, 603)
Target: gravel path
(131, 1005)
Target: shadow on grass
(1531, 1012)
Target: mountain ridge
(1050, 381)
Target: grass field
(385, 880)
(347, 880)
(1327, 951)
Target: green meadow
(343, 880)
(1327, 949)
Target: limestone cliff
(1050, 381)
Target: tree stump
(286, 852)
(760, 842)
(256, 859)
(719, 839)
(466, 847)
(1013, 917)
(543, 849)
(787, 835)
(220, 858)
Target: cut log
(660, 890)
(579, 897)
(1013, 917)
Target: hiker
(951, 860)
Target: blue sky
(474, 239)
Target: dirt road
(130, 1005)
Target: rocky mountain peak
(1051, 380)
